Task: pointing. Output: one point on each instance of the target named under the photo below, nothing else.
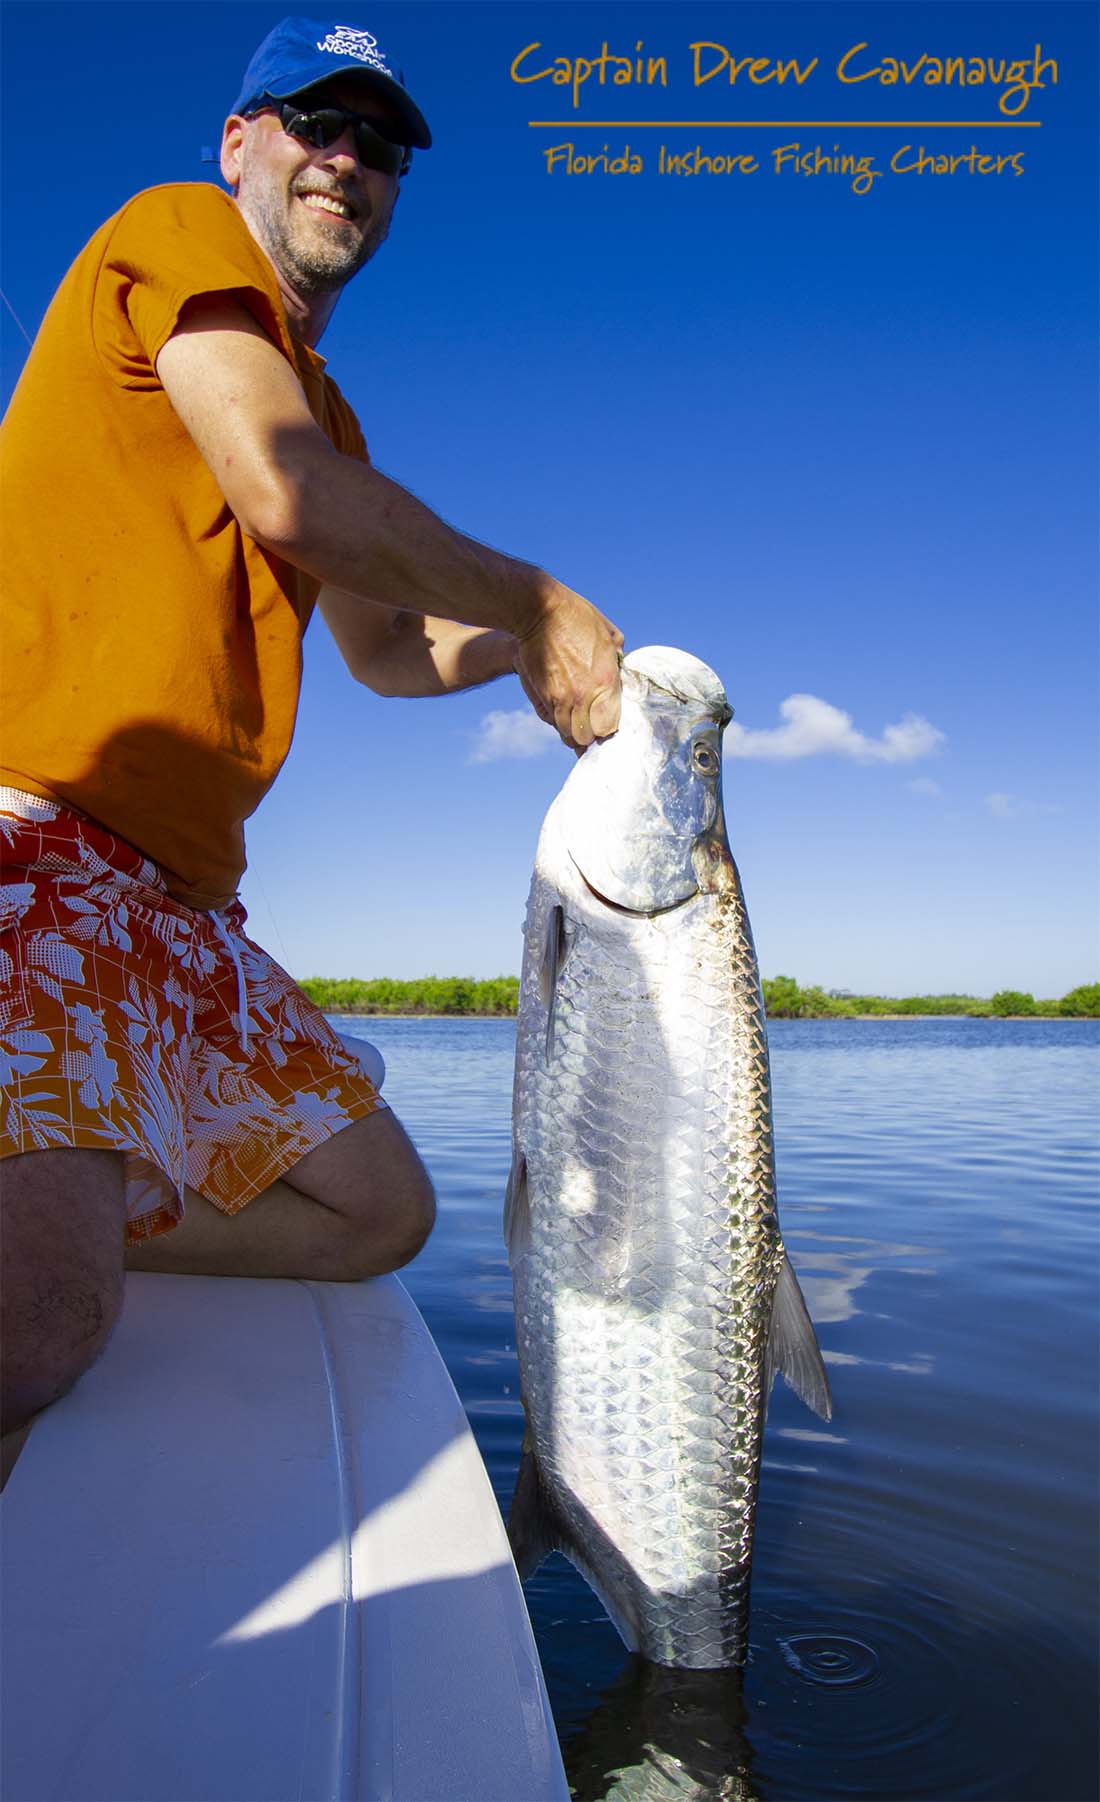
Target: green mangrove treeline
(783, 998)
(421, 995)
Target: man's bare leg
(356, 1206)
(62, 1222)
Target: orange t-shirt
(151, 654)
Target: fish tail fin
(532, 1530)
(793, 1347)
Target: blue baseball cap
(300, 53)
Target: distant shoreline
(381, 1013)
(497, 997)
(937, 1016)
(401, 1013)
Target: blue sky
(840, 445)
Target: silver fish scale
(644, 1295)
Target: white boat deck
(255, 1555)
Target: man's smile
(320, 200)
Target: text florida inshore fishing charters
(784, 159)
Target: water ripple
(829, 1659)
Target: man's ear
(232, 144)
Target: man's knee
(415, 1215)
(53, 1333)
(63, 1225)
(392, 1229)
(380, 1197)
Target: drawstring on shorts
(242, 991)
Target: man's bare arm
(355, 530)
(410, 654)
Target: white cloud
(1002, 807)
(1012, 807)
(518, 734)
(923, 785)
(815, 728)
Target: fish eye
(705, 760)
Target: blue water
(924, 1580)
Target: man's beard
(324, 264)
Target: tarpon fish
(654, 1299)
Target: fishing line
(271, 911)
(17, 319)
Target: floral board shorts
(129, 1022)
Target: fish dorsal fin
(517, 1209)
(793, 1347)
(554, 954)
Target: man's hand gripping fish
(654, 1300)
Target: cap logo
(345, 40)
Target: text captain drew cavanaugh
(1017, 78)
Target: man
(182, 482)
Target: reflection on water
(830, 1279)
(663, 1736)
(924, 1580)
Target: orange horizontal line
(774, 124)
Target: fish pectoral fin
(793, 1347)
(532, 1534)
(553, 962)
(517, 1209)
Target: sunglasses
(375, 148)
